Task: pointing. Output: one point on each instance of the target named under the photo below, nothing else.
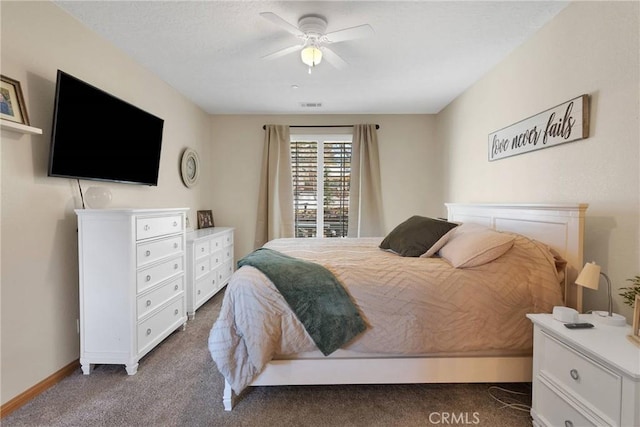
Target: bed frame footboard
(227, 396)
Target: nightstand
(584, 377)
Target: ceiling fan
(311, 30)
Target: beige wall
(409, 166)
(589, 48)
(39, 287)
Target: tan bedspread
(411, 305)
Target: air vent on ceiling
(311, 104)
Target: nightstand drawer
(595, 385)
(157, 226)
(158, 249)
(555, 411)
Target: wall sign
(565, 123)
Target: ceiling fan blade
(282, 52)
(333, 58)
(359, 32)
(275, 19)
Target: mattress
(412, 306)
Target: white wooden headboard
(561, 226)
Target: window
(321, 168)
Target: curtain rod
(320, 126)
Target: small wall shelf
(20, 128)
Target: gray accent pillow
(416, 235)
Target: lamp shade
(589, 277)
(311, 55)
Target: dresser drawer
(225, 271)
(205, 287)
(217, 243)
(227, 240)
(151, 276)
(147, 227)
(227, 253)
(216, 259)
(202, 249)
(154, 299)
(597, 386)
(158, 324)
(202, 268)
(158, 249)
(555, 411)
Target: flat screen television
(97, 136)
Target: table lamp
(589, 277)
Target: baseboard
(21, 399)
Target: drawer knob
(175, 288)
(574, 374)
(147, 227)
(175, 266)
(149, 331)
(216, 259)
(147, 253)
(175, 246)
(201, 249)
(202, 268)
(176, 311)
(148, 278)
(568, 423)
(148, 302)
(175, 223)
(199, 291)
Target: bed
(277, 351)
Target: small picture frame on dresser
(635, 333)
(205, 219)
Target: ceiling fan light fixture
(311, 56)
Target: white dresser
(132, 280)
(209, 264)
(584, 377)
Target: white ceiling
(423, 53)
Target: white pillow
(472, 245)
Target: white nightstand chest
(209, 264)
(584, 377)
(132, 264)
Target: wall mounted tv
(97, 136)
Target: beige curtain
(365, 194)
(275, 202)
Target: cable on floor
(508, 401)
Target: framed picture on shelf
(635, 333)
(12, 106)
(205, 219)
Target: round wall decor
(190, 167)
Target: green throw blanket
(315, 296)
